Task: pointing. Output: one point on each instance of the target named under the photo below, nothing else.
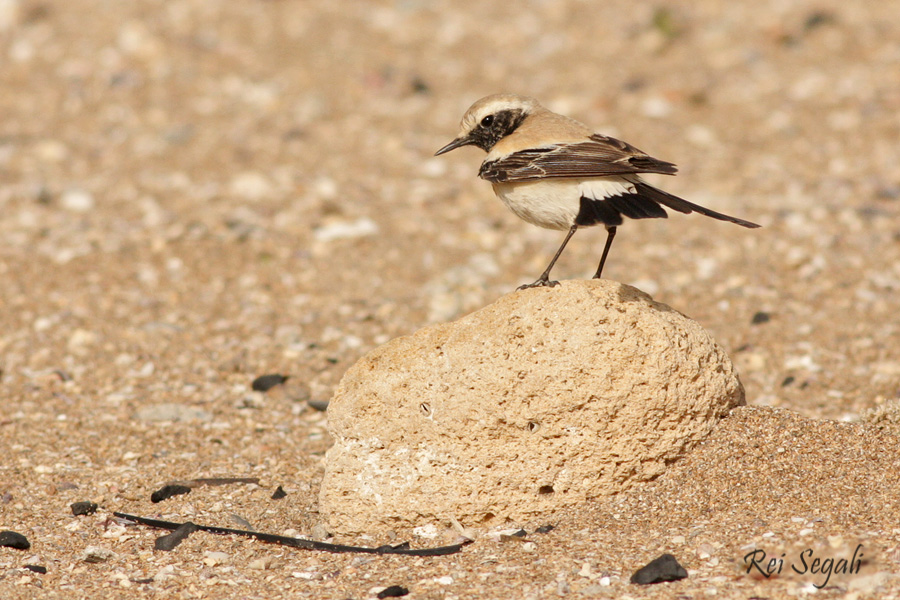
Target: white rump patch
(599, 189)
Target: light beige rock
(541, 400)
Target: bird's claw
(542, 282)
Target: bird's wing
(598, 156)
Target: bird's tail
(683, 206)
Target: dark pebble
(83, 508)
(788, 381)
(419, 85)
(264, 383)
(761, 317)
(37, 569)
(545, 529)
(11, 539)
(319, 405)
(279, 493)
(170, 541)
(817, 18)
(520, 533)
(394, 591)
(167, 491)
(659, 570)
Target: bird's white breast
(554, 203)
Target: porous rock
(543, 399)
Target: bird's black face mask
(489, 131)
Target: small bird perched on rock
(554, 172)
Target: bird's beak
(458, 142)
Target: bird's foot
(542, 282)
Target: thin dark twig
(296, 542)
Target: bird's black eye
(486, 122)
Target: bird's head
(491, 119)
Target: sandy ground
(197, 192)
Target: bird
(555, 172)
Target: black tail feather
(610, 211)
(683, 206)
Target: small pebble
(264, 383)
(319, 532)
(303, 574)
(251, 186)
(77, 201)
(319, 405)
(586, 571)
(394, 591)
(83, 508)
(427, 531)
(760, 317)
(343, 230)
(97, 554)
(12, 539)
(659, 570)
(41, 570)
(279, 493)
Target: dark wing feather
(600, 156)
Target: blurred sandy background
(197, 192)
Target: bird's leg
(544, 279)
(610, 234)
